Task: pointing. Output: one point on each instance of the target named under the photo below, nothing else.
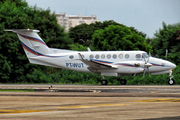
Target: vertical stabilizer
(32, 44)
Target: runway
(90, 102)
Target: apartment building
(68, 21)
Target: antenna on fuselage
(89, 50)
(166, 54)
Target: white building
(68, 21)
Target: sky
(145, 15)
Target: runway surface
(79, 102)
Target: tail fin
(32, 44)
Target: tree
(115, 37)
(16, 14)
(83, 33)
(164, 39)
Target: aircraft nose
(171, 65)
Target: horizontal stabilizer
(21, 30)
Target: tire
(104, 82)
(171, 82)
(123, 81)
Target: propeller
(146, 64)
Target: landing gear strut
(103, 81)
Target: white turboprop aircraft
(105, 63)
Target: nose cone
(169, 65)
(161, 65)
(172, 65)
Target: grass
(14, 90)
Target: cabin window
(120, 56)
(138, 55)
(114, 56)
(91, 56)
(127, 56)
(97, 56)
(82, 56)
(71, 56)
(102, 56)
(108, 56)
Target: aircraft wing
(97, 64)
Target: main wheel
(123, 81)
(104, 82)
(171, 82)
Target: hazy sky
(145, 15)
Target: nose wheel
(171, 81)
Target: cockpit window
(146, 55)
(138, 55)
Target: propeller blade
(145, 59)
(148, 70)
(144, 72)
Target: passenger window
(102, 56)
(108, 56)
(71, 56)
(127, 56)
(97, 56)
(91, 56)
(120, 56)
(114, 56)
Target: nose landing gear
(171, 81)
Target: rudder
(32, 43)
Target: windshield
(146, 55)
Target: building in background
(68, 21)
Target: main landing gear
(123, 81)
(105, 82)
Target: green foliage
(82, 34)
(78, 47)
(116, 37)
(164, 39)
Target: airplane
(105, 63)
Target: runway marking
(20, 111)
(89, 106)
(159, 100)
